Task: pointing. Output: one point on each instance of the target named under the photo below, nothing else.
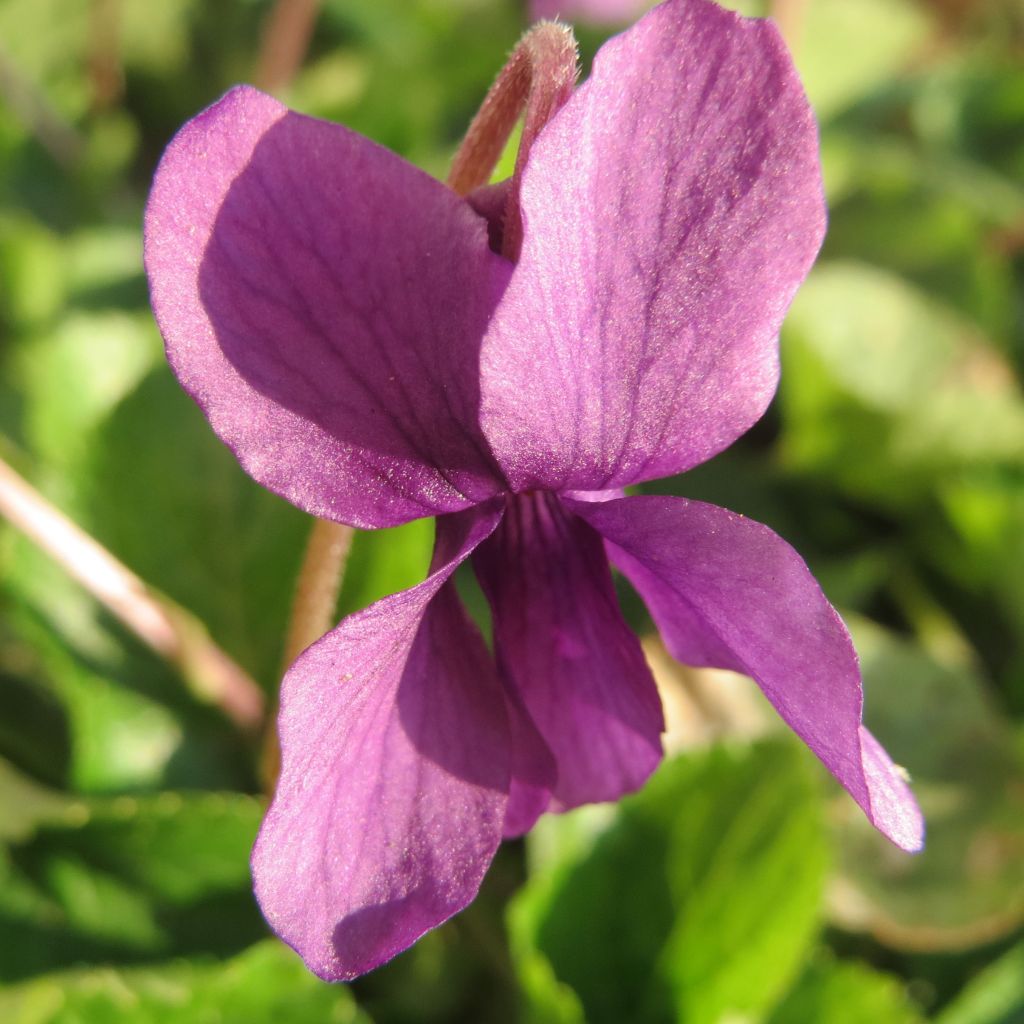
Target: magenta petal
(726, 591)
(394, 774)
(533, 769)
(323, 301)
(671, 209)
(563, 646)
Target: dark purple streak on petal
(671, 209)
(727, 592)
(394, 775)
(562, 644)
(324, 303)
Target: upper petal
(323, 301)
(394, 774)
(671, 209)
(564, 648)
(728, 592)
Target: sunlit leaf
(385, 561)
(267, 984)
(162, 493)
(698, 898)
(845, 993)
(994, 996)
(85, 880)
(847, 48)
(884, 388)
(73, 376)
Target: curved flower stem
(318, 586)
(316, 596)
(170, 631)
(538, 78)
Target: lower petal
(728, 592)
(564, 649)
(394, 775)
(533, 769)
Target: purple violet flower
(349, 329)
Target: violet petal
(727, 592)
(394, 774)
(323, 301)
(671, 209)
(562, 644)
(532, 766)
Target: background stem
(286, 35)
(170, 631)
(790, 15)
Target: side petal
(394, 775)
(563, 647)
(727, 592)
(324, 301)
(671, 209)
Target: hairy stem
(537, 80)
(316, 596)
(170, 631)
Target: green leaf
(34, 732)
(155, 38)
(25, 804)
(995, 996)
(848, 48)
(108, 714)
(266, 984)
(105, 272)
(933, 216)
(967, 886)
(384, 562)
(126, 878)
(885, 389)
(697, 900)
(394, 79)
(985, 556)
(120, 736)
(32, 272)
(831, 992)
(162, 493)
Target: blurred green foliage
(739, 885)
(698, 899)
